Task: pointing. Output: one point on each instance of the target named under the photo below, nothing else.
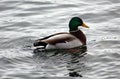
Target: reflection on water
(71, 61)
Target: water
(23, 21)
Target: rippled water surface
(23, 21)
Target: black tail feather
(40, 44)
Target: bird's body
(65, 40)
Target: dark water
(23, 21)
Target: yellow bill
(84, 25)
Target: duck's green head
(75, 22)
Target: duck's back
(66, 41)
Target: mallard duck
(65, 40)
